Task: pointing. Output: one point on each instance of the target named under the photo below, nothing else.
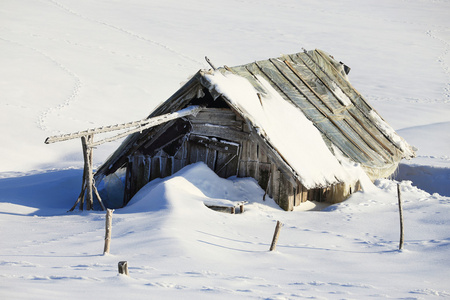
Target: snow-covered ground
(71, 65)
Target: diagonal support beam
(139, 126)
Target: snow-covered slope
(72, 65)
(177, 247)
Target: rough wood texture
(276, 235)
(108, 227)
(226, 144)
(218, 131)
(88, 185)
(123, 268)
(285, 199)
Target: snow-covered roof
(305, 108)
(281, 95)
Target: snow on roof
(389, 131)
(303, 105)
(299, 142)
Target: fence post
(123, 267)
(108, 225)
(400, 210)
(276, 235)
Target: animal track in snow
(41, 122)
(442, 61)
(130, 33)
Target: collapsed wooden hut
(294, 123)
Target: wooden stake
(123, 268)
(400, 209)
(88, 165)
(276, 235)
(108, 226)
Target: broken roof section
(277, 97)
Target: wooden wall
(223, 140)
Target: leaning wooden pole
(276, 235)
(400, 210)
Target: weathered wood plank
(219, 132)
(285, 191)
(177, 164)
(242, 171)
(218, 116)
(262, 156)
(275, 181)
(165, 166)
(264, 173)
(244, 151)
(222, 163)
(253, 151)
(252, 169)
(232, 167)
(210, 114)
(214, 143)
(232, 124)
(155, 168)
(211, 156)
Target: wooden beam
(140, 125)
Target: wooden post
(88, 185)
(88, 165)
(123, 268)
(233, 210)
(276, 235)
(108, 226)
(400, 209)
(241, 207)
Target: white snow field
(68, 65)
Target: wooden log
(233, 210)
(108, 227)
(400, 210)
(123, 268)
(275, 236)
(241, 207)
(88, 166)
